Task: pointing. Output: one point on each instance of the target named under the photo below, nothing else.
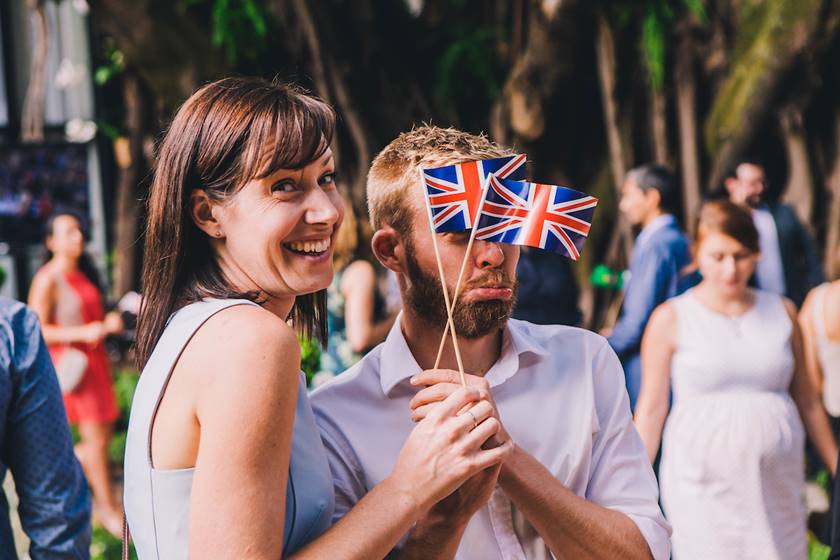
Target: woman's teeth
(309, 246)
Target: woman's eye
(327, 179)
(283, 187)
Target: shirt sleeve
(348, 477)
(652, 275)
(621, 477)
(54, 499)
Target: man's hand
(439, 384)
(463, 503)
(438, 533)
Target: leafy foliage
(239, 27)
(310, 358)
(658, 17)
(105, 546)
(468, 66)
(114, 65)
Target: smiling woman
(223, 458)
(216, 145)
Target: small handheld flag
(454, 191)
(550, 217)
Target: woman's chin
(313, 285)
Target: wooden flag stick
(450, 326)
(461, 273)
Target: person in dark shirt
(36, 446)
(790, 263)
(548, 293)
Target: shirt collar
(397, 363)
(659, 222)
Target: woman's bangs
(292, 138)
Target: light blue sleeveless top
(157, 501)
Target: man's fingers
(453, 403)
(490, 457)
(433, 376)
(484, 431)
(432, 394)
(476, 415)
(417, 414)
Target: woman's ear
(388, 247)
(201, 211)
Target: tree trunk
(771, 35)
(799, 191)
(32, 120)
(130, 160)
(658, 125)
(832, 240)
(687, 128)
(171, 52)
(605, 47)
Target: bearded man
(578, 483)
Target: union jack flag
(455, 191)
(550, 217)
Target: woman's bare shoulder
(245, 343)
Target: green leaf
(103, 75)
(257, 19)
(653, 44)
(697, 9)
(220, 22)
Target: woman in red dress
(66, 296)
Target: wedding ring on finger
(475, 421)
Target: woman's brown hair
(728, 218)
(226, 134)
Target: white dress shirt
(560, 394)
(769, 270)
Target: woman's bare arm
(249, 362)
(42, 299)
(806, 320)
(658, 346)
(358, 285)
(808, 401)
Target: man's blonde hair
(395, 170)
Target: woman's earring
(218, 234)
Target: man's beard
(472, 320)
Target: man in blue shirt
(661, 253)
(35, 445)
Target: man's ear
(389, 249)
(201, 211)
(654, 198)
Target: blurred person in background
(358, 315)
(819, 320)
(732, 471)
(68, 299)
(36, 446)
(820, 323)
(789, 264)
(548, 293)
(649, 199)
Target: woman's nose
(321, 209)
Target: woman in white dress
(732, 471)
